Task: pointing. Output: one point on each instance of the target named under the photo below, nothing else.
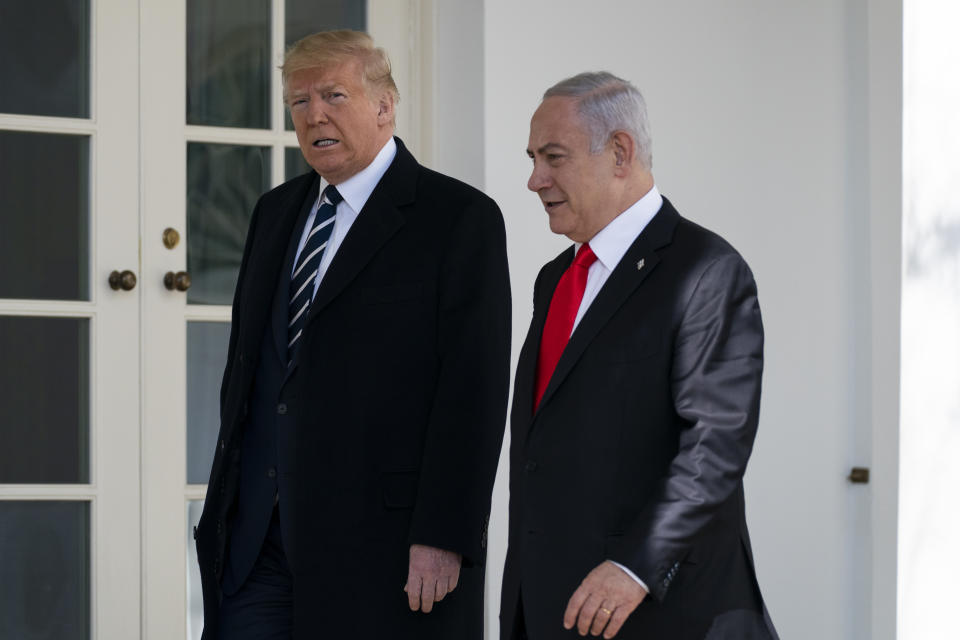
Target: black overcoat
(398, 400)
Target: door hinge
(859, 475)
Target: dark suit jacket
(637, 451)
(397, 402)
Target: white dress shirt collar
(357, 188)
(611, 242)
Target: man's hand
(603, 601)
(432, 575)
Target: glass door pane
(45, 425)
(294, 164)
(228, 63)
(303, 17)
(45, 573)
(44, 204)
(224, 182)
(206, 358)
(45, 66)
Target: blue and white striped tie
(308, 264)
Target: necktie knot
(585, 256)
(332, 195)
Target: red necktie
(563, 311)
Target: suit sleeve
(715, 381)
(467, 420)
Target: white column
(929, 558)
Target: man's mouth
(321, 143)
(550, 205)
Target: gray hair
(608, 104)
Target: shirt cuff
(632, 575)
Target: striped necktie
(308, 265)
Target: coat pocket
(400, 488)
(393, 293)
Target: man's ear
(385, 113)
(623, 152)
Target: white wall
(763, 131)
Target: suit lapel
(267, 257)
(527, 362)
(637, 263)
(379, 220)
(281, 299)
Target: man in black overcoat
(636, 399)
(364, 396)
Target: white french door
(70, 381)
(135, 139)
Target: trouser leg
(262, 609)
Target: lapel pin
(640, 264)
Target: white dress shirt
(612, 242)
(609, 245)
(356, 191)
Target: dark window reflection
(294, 164)
(45, 58)
(228, 63)
(223, 184)
(45, 573)
(44, 210)
(44, 395)
(304, 17)
(206, 358)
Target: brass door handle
(179, 280)
(125, 280)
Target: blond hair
(331, 48)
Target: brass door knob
(125, 280)
(171, 237)
(179, 280)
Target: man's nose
(538, 179)
(317, 114)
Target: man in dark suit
(364, 395)
(636, 399)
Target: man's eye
(297, 101)
(553, 157)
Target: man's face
(573, 184)
(340, 129)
